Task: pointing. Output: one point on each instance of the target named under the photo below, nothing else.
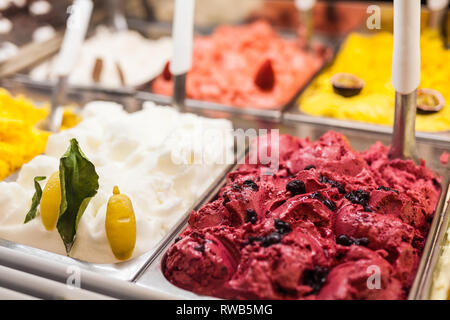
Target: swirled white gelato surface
(137, 152)
(127, 59)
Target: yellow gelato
(370, 58)
(20, 140)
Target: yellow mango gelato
(370, 58)
(20, 140)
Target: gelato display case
(154, 275)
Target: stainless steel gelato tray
(275, 113)
(153, 277)
(431, 267)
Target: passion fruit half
(347, 84)
(429, 101)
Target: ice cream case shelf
(153, 276)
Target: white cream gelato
(128, 52)
(138, 152)
(441, 285)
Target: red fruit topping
(265, 77)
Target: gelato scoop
(332, 223)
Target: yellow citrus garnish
(20, 139)
(120, 225)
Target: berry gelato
(332, 223)
(332, 18)
(248, 66)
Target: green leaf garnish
(36, 199)
(79, 183)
